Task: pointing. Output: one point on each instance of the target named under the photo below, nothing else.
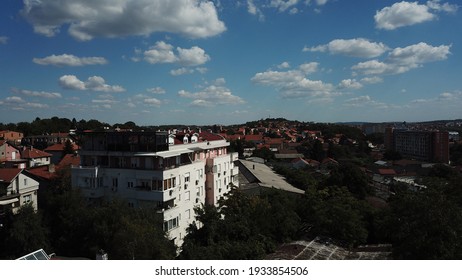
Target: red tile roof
(69, 159)
(8, 174)
(60, 147)
(42, 172)
(387, 171)
(34, 153)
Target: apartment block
(168, 173)
(431, 146)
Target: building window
(25, 181)
(27, 198)
(170, 224)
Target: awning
(9, 201)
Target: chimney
(51, 168)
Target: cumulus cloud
(108, 18)
(156, 90)
(364, 101)
(353, 47)
(294, 83)
(309, 68)
(371, 80)
(181, 71)
(3, 40)
(283, 5)
(350, 84)
(409, 13)
(70, 60)
(284, 65)
(17, 103)
(254, 10)
(152, 102)
(162, 52)
(255, 7)
(401, 60)
(43, 94)
(94, 83)
(214, 94)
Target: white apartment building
(168, 173)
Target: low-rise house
(57, 151)
(8, 152)
(35, 157)
(16, 189)
(12, 136)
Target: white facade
(17, 191)
(172, 181)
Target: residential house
(35, 157)
(12, 136)
(16, 189)
(57, 151)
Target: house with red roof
(16, 189)
(57, 151)
(35, 157)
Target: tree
(334, 212)
(68, 147)
(424, 225)
(26, 234)
(239, 227)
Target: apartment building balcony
(93, 192)
(167, 207)
(147, 193)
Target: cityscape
(333, 189)
(237, 130)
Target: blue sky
(207, 62)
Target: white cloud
(401, 60)
(181, 71)
(254, 10)
(283, 5)
(415, 55)
(284, 65)
(162, 52)
(372, 80)
(445, 7)
(108, 18)
(353, 47)
(94, 83)
(156, 90)
(215, 94)
(17, 103)
(294, 84)
(3, 40)
(153, 102)
(409, 13)
(33, 93)
(350, 84)
(309, 68)
(69, 60)
(192, 57)
(14, 99)
(364, 101)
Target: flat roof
(268, 178)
